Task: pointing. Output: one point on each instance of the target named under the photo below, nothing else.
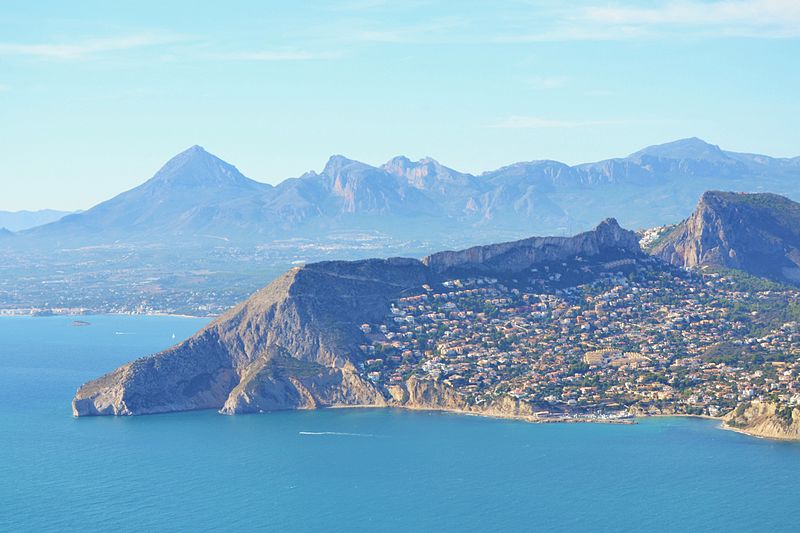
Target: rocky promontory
(765, 419)
(295, 344)
(758, 233)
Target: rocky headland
(765, 419)
(301, 342)
(295, 343)
(758, 233)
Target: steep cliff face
(757, 233)
(427, 394)
(296, 343)
(608, 239)
(766, 419)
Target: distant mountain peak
(428, 174)
(691, 141)
(399, 160)
(339, 159)
(337, 162)
(689, 148)
(195, 167)
(195, 148)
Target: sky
(95, 96)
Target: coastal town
(603, 340)
(162, 280)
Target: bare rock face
(757, 233)
(766, 419)
(427, 394)
(608, 239)
(418, 393)
(296, 343)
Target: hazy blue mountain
(199, 235)
(430, 176)
(356, 188)
(197, 196)
(682, 149)
(542, 175)
(194, 193)
(20, 220)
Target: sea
(350, 469)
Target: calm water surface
(345, 470)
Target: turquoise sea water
(346, 470)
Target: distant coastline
(75, 313)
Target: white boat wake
(337, 433)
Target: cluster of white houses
(649, 338)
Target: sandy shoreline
(502, 416)
(564, 419)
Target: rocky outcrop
(296, 343)
(426, 394)
(765, 419)
(757, 233)
(607, 240)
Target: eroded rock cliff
(294, 344)
(757, 233)
(766, 419)
(608, 239)
(418, 393)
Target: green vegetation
(784, 414)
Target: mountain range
(196, 197)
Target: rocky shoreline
(765, 419)
(755, 419)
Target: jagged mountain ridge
(511, 257)
(757, 233)
(295, 343)
(196, 195)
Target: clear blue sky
(96, 96)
